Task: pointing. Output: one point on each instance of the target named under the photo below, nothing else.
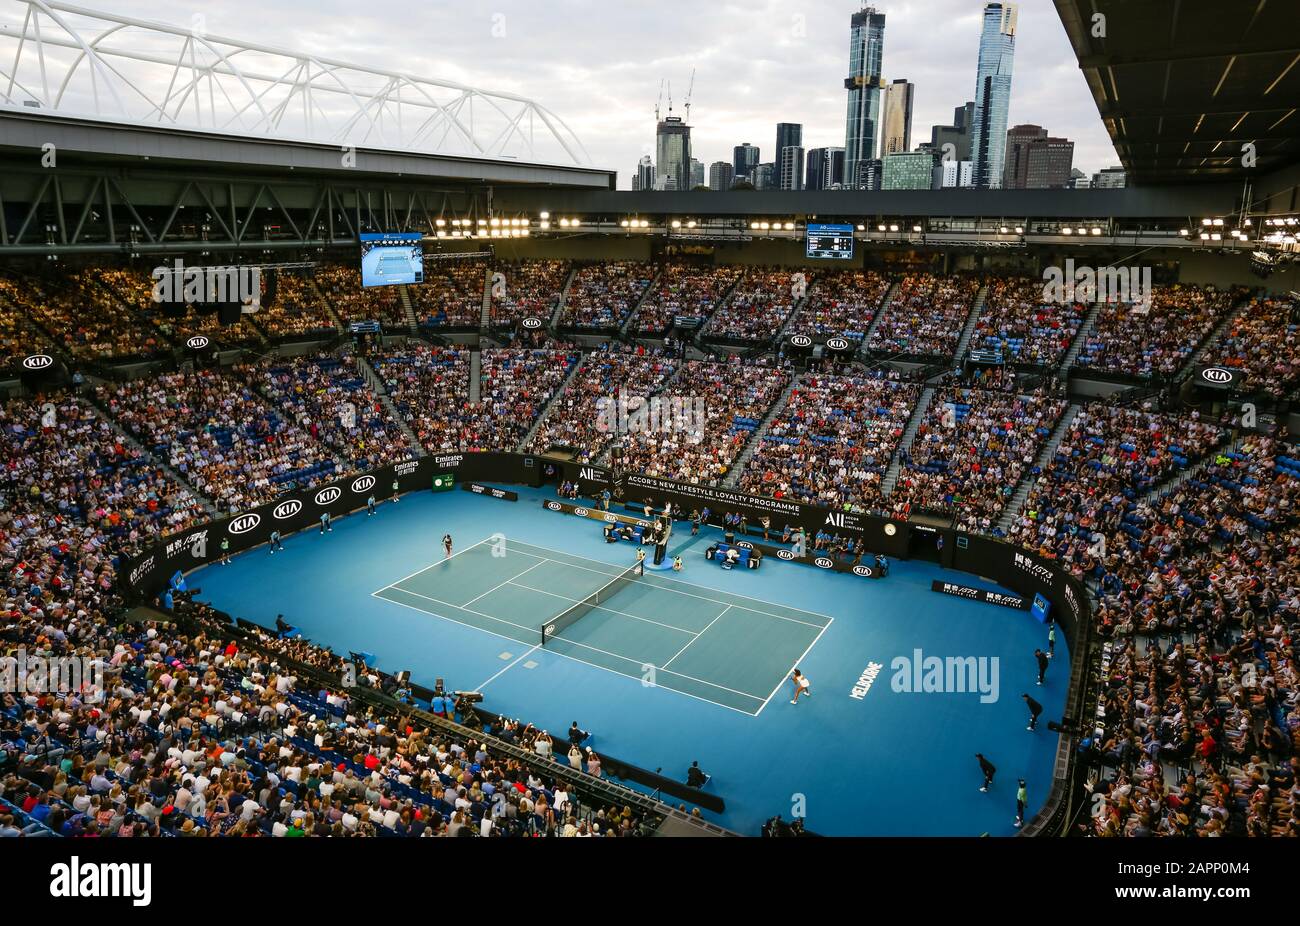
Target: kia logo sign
(244, 523)
(365, 483)
(580, 512)
(744, 545)
(611, 518)
(823, 563)
(801, 340)
(554, 506)
(837, 344)
(198, 342)
(531, 323)
(286, 510)
(1216, 375)
(328, 496)
(784, 554)
(38, 362)
(862, 571)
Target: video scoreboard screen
(392, 259)
(833, 242)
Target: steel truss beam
(84, 63)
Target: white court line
(594, 649)
(790, 671)
(681, 582)
(673, 591)
(434, 565)
(502, 584)
(597, 607)
(482, 685)
(452, 620)
(697, 636)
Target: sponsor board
(286, 510)
(364, 484)
(38, 362)
(970, 593)
(243, 523)
(531, 323)
(328, 496)
(800, 340)
(198, 342)
(837, 344)
(479, 489)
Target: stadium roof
(1183, 85)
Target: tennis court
(727, 649)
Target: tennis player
(801, 685)
(446, 544)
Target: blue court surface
(673, 667)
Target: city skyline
(603, 80)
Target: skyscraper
(957, 135)
(720, 175)
(907, 170)
(1036, 161)
(697, 173)
(896, 119)
(788, 135)
(1015, 174)
(744, 161)
(645, 175)
(673, 154)
(791, 167)
(866, 48)
(825, 169)
(993, 93)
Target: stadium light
(645, 223)
(690, 224)
(1020, 230)
(916, 228)
(544, 216)
(1216, 237)
(1003, 230)
(440, 222)
(1206, 222)
(862, 228)
(893, 228)
(677, 223)
(753, 226)
(1067, 230)
(1096, 231)
(623, 223)
(1182, 232)
(1205, 236)
(880, 228)
(789, 226)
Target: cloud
(600, 67)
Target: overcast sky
(599, 66)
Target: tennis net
(581, 609)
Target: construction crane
(690, 90)
(659, 102)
